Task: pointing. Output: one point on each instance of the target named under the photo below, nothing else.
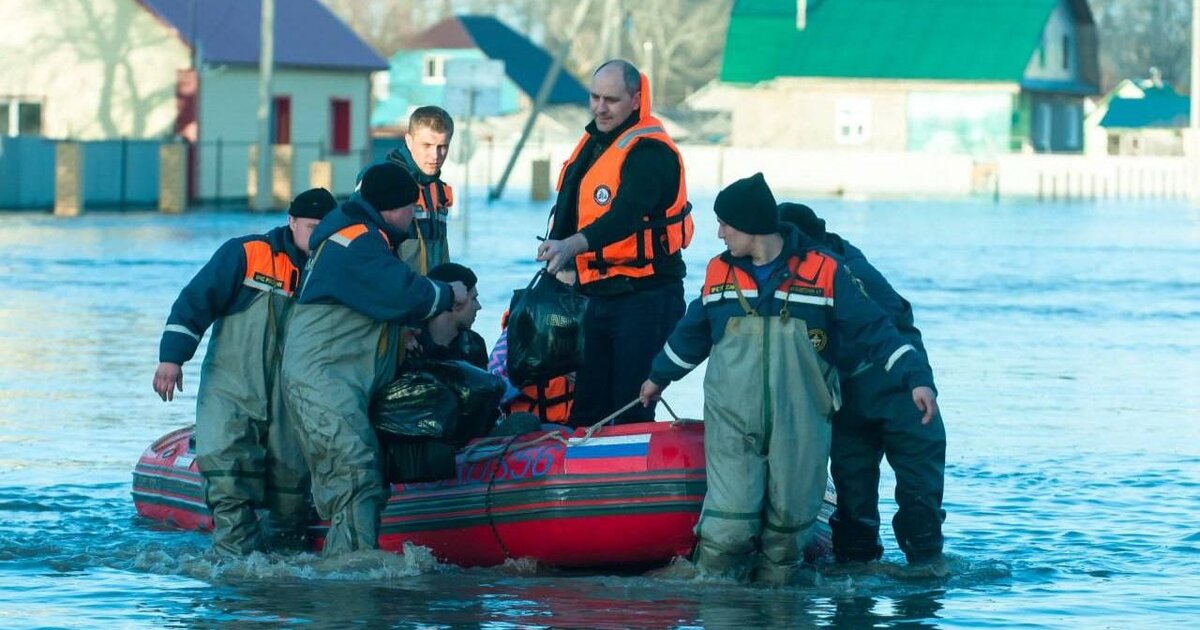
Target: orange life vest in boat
(550, 401)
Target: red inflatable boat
(625, 495)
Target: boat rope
(487, 499)
(511, 442)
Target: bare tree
(1136, 35)
(389, 25)
(686, 39)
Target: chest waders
(431, 246)
(246, 445)
(334, 361)
(768, 399)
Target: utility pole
(266, 62)
(1193, 145)
(543, 95)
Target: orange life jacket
(632, 256)
(550, 401)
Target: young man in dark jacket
(246, 445)
(876, 421)
(426, 146)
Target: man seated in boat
(448, 336)
(877, 420)
(246, 447)
(773, 313)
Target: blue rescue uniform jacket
(223, 287)
(814, 286)
(382, 286)
(880, 291)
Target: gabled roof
(1159, 107)
(966, 40)
(306, 33)
(525, 63)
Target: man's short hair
(433, 117)
(451, 272)
(629, 73)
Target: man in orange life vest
(426, 145)
(246, 447)
(620, 222)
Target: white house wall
(228, 116)
(808, 112)
(101, 69)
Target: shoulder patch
(818, 338)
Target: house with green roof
(979, 77)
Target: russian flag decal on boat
(618, 453)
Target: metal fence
(116, 173)
(26, 172)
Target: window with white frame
(852, 121)
(433, 70)
(20, 117)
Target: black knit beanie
(313, 203)
(387, 186)
(747, 205)
(453, 272)
(804, 218)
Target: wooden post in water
(68, 179)
(172, 177)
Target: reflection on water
(1063, 339)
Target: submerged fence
(126, 173)
(116, 173)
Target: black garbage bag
(416, 405)
(545, 330)
(430, 411)
(478, 392)
(410, 460)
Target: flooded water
(1065, 340)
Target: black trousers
(621, 335)
(878, 419)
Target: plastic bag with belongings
(446, 400)
(429, 412)
(545, 330)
